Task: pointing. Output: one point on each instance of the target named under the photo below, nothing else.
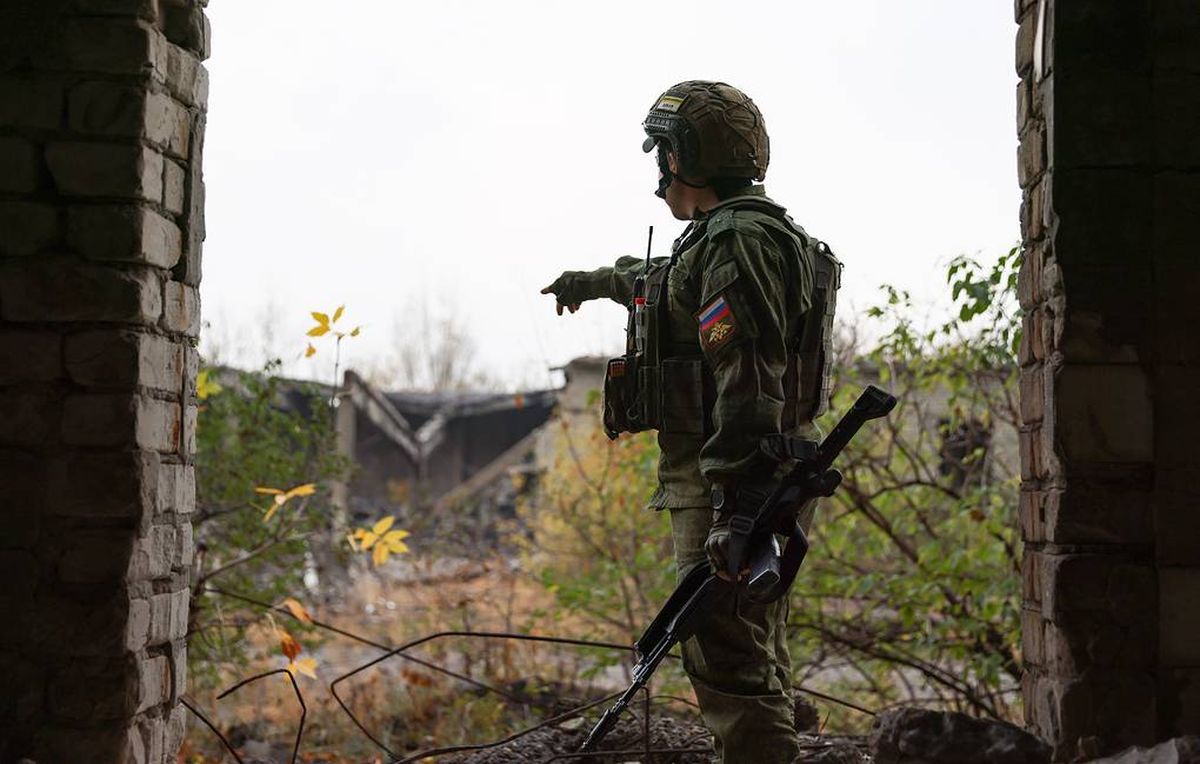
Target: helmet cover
(714, 130)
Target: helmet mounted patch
(670, 103)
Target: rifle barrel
(610, 717)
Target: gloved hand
(573, 288)
(725, 501)
(717, 546)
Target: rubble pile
(672, 740)
(1183, 750)
(920, 736)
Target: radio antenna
(639, 300)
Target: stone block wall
(102, 106)
(1109, 164)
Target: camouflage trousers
(738, 663)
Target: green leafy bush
(266, 453)
(911, 593)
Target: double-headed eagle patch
(717, 324)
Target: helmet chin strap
(667, 177)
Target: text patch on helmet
(717, 323)
(670, 103)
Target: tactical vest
(643, 387)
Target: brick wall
(1109, 163)
(101, 200)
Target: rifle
(771, 570)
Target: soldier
(729, 340)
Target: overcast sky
(379, 153)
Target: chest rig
(655, 386)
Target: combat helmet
(714, 130)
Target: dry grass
(405, 705)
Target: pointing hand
(569, 290)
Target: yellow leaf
(394, 541)
(380, 555)
(306, 666)
(295, 608)
(317, 331)
(288, 644)
(320, 318)
(355, 331)
(382, 526)
(338, 313)
(282, 497)
(205, 386)
(308, 489)
(310, 351)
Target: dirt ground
(551, 743)
(672, 741)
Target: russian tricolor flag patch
(717, 323)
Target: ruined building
(101, 221)
(433, 449)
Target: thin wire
(390, 652)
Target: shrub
(265, 455)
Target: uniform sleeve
(743, 326)
(616, 281)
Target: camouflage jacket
(737, 290)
